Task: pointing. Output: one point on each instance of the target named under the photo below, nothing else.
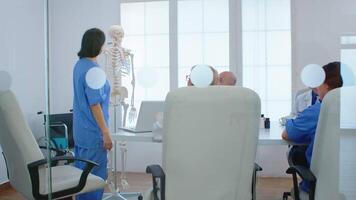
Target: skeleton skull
(116, 32)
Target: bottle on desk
(262, 121)
(267, 123)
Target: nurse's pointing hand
(107, 141)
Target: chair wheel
(140, 197)
(285, 195)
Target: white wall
(67, 29)
(317, 26)
(21, 54)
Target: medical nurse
(90, 111)
(302, 129)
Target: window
(146, 26)
(267, 53)
(200, 34)
(203, 35)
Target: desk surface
(270, 136)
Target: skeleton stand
(114, 191)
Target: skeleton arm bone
(133, 81)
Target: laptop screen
(150, 112)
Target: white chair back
(18, 144)
(209, 142)
(325, 162)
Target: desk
(270, 136)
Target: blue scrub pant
(98, 155)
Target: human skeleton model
(121, 65)
(120, 62)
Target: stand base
(123, 196)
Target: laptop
(148, 115)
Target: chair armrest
(303, 172)
(258, 168)
(34, 175)
(58, 151)
(56, 124)
(158, 178)
(306, 175)
(155, 170)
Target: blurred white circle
(5, 81)
(95, 78)
(201, 76)
(313, 75)
(147, 78)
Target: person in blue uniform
(91, 111)
(302, 129)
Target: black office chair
(295, 157)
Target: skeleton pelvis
(120, 91)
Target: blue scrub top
(302, 130)
(86, 132)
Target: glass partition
(347, 162)
(24, 57)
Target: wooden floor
(267, 188)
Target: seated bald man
(227, 78)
